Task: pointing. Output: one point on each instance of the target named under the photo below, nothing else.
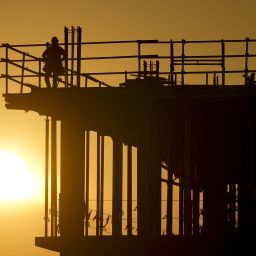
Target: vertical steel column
(102, 148)
(87, 183)
(172, 62)
(98, 210)
(246, 60)
(72, 55)
(181, 208)
(183, 62)
(169, 203)
(39, 73)
(79, 39)
(53, 178)
(46, 177)
(139, 59)
(22, 73)
(72, 203)
(129, 190)
(66, 55)
(117, 188)
(223, 61)
(140, 192)
(6, 69)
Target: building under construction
(160, 162)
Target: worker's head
(55, 40)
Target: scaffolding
(178, 127)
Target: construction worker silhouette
(53, 57)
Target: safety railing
(212, 62)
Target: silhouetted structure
(169, 139)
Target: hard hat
(55, 40)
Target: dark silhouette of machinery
(182, 176)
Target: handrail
(182, 62)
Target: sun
(16, 181)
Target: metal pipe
(182, 62)
(172, 61)
(79, 39)
(246, 60)
(129, 190)
(87, 183)
(6, 69)
(169, 225)
(46, 176)
(98, 210)
(22, 73)
(53, 178)
(66, 55)
(223, 61)
(102, 184)
(72, 55)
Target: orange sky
(31, 21)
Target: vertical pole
(181, 193)
(79, 39)
(72, 55)
(98, 210)
(39, 73)
(172, 62)
(129, 190)
(169, 203)
(157, 69)
(117, 189)
(66, 56)
(87, 182)
(72, 181)
(183, 62)
(145, 68)
(139, 58)
(22, 73)
(53, 178)
(125, 76)
(6, 69)
(223, 61)
(246, 60)
(140, 192)
(46, 176)
(102, 184)
(196, 204)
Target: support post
(46, 207)
(72, 204)
(223, 61)
(129, 190)
(139, 59)
(22, 72)
(172, 62)
(169, 203)
(72, 55)
(183, 63)
(6, 69)
(66, 55)
(102, 148)
(98, 210)
(79, 39)
(54, 223)
(246, 60)
(117, 188)
(87, 183)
